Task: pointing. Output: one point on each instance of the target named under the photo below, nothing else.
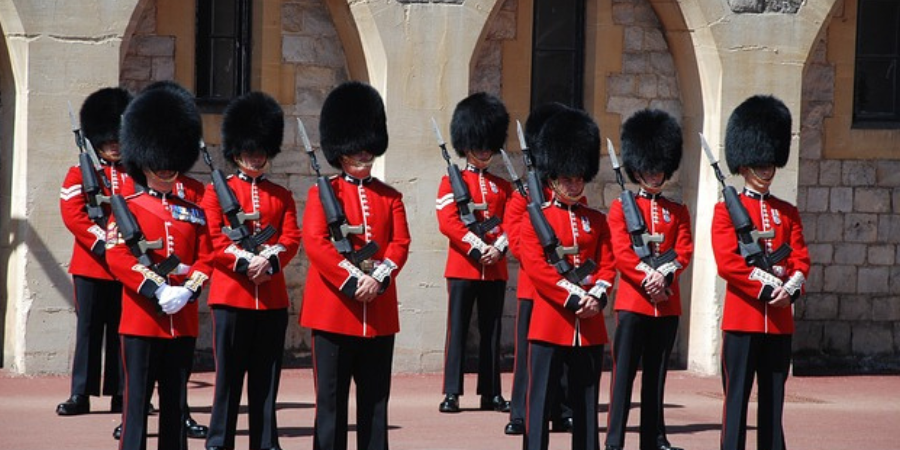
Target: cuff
(383, 272)
(271, 253)
(152, 281)
(477, 247)
(576, 293)
(241, 258)
(195, 283)
(502, 243)
(768, 281)
(794, 285)
(99, 245)
(348, 287)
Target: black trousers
(767, 356)
(167, 362)
(545, 362)
(337, 359)
(98, 306)
(489, 296)
(248, 342)
(644, 341)
(559, 408)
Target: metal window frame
(204, 65)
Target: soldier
(648, 300)
(161, 132)
(248, 295)
(757, 321)
(567, 323)
(98, 296)
(352, 308)
(516, 216)
(476, 263)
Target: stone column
(54, 60)
(740, 55)
(419, 55)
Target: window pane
(876, 83)
(878, 22)
(553, 78)
(223, 68)
(223, 18)
(555, 23)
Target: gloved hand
(173, 298)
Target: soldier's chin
(113, 157)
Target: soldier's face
(358, 165)
(161, 180)
(652, 182)
(569, 189)
(479, 158)
(253, 162)
(758, 178)
(110, 151)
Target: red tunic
(379, 208)
(230, 285)
(663, 217)
(551, 322)
(180, 226)
(486, 188)
(743, 309)
(89, 235)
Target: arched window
(876, 98)
(223, 52)
(557, 58)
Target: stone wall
(849, 319)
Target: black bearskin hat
(569, 145)
(479, 123)
(352, 120)
(101, 114)
(758, 134)
(161, 130)
(651, 142)
(253, 121)
(533, 125)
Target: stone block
(836, 338)
(668, 87)
(625, 106)
(654, 41)
(163, 69)
(644, 15)
(811, 143)
(886, 309)
(647, 86)
(872, 200)
(633, 39)
(661, 63)
(841, 279)
(883, 255)
(801, 198)
(808, 173)
(136, 68)
(858, 173)
(861, 227)
(855, 308)
(850, 253)
(830, 173)
(808, 336)
(818, 83)
(809, 222)
(817, 199)
(872, 338)
(504, 26)
(820, 307)
(309, 101)
(298, 49)
(841, 200)
(623, 85)
(873, 280)
(635, 62)
(317, 22)
(292, 18)
(153, 46)
(308, 76)
(830, 228)
(623, 13)
(821, 253)
(815, 279)
(887, 173)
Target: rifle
(748, 235)
(554, 253)
(237, 229)
(532, 179)
(461, 194)
(634, 220)
(338, 228)
(90, 167)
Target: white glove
(173, 298)
(182, 269)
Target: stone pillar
(740, 55)
(419, 55)
(54, 60)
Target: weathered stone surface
(840, 279)
(872, 200)
(882, 254)
(821, 253)
(841, 200)
(855, 308)
(817, 199)
(837, 340)
(830, 174)
(830, 228)
(858, 173)
(861, 227)
(873, 280)
(849, 253)
(820, 306)
(808, 173)
(872, 338)
(886, 309)
(815, 279)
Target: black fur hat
(479, 123)
(161, 130)
(651, 142)
(253, 121)
(352, 120)
(569, 145)
(758, 134)
(533, 125)
(101, 115)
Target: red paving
(859, 412)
